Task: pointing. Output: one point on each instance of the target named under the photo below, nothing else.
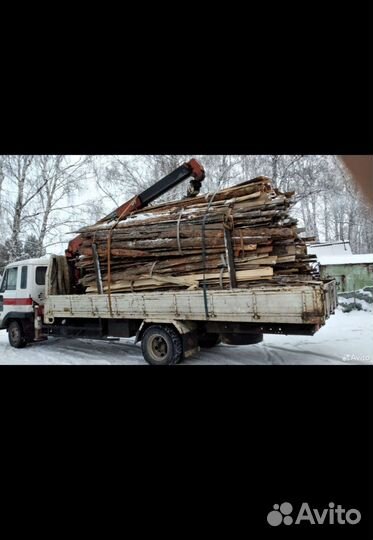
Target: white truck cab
(22, 288)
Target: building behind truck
(351, 272)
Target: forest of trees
(45, 198)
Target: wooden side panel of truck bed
(305, 304)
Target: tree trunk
(2, 177)
(24, 163)
(14, 251)
(304, 217)
(326, 219)
(341, 230)
(336, 221)
(43, 229)
(350, 227)
(274, 170)
(307, 218)
(314, 217)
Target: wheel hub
(14, 333)
(158, 347)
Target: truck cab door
(37, 284)
(8, 291)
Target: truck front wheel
(161, 346)
(16, 335)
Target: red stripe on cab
(17, 302)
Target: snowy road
(347, 338)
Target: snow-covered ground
(347, 338)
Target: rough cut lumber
(187, 281)
(182, 244)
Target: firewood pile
(239, 237)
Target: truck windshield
(40, 275)
(10, 280)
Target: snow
(40, 261)
(330, 248)
(363, 303)
(347, 338)
(361, 297)
(107, 225)
(366, 258)
(142, 216)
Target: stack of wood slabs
(245, 230)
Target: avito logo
(333, 515)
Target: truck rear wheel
(242, 339)
(207, 341)
(16, 335)
(162, 346)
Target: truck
(171, 325)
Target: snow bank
(360, 299)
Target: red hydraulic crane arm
(190, 169)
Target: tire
(207, 341)
(16, 335)
(28, 331)
(242, 339)
(162, 346)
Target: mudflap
(190, 344)
(189, 336)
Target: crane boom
(190, 169)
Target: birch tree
(61, 176)
(25, 187)
(2, 178)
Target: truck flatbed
(306, 304)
